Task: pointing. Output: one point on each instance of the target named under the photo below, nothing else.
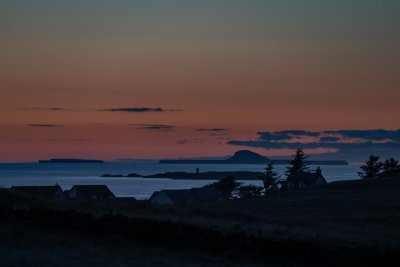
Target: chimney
(318, 171)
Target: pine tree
(391, 168)
(299, 164)
(249, 191)
(371, 169)
(270, 178)
(227, 186)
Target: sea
(67, 175)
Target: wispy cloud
(274, 136)
(45, 125)
(299, 133)
(358, 143)
(333, 135)
(314, 145)
(224, 138)
(68, 140)
(156, 127)
(138, 109)
(123, 109)
(371, 135)
(46, 108)
(286, 135)
(185, 141)
(324, 139)
(212, 130)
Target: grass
(351, 214)
(27, 245)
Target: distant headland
(248, 157)
(71, 161)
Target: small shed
(54, 192)
(170, 197)
(90, 193)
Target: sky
(179, 78)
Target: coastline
(212, 175)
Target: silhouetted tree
(298, 164)
(249, 191)
(226, 185)
(390, 168)
(371, 169)
(270, 179)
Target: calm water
(67, 175)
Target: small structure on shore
(303, 180)
(54, 192)
(90, 193)
(186, 196)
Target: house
(303, 180)
(54, 192)
(186, 196)
(208, 194)
(90, 193)
(169, 197)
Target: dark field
(345, 223)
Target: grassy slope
(28, 246)
(351, 213)
(340, 199)
(362, 213)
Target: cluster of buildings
(77, 192)
(186, 196)
(103, 193)
(163, 197)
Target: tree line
(230, 188)
(374, 168)
(271, 179)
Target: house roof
(185, 196)
(208, 194)
(308, 178)
(88, 191)
(182, 196)
(39, 191)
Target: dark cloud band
(133, 110)
(347, 143)
(156, 127)
(372, 135)
(45, 125)
(212, 130)
(139, 110)
(46, 109)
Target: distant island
(248, 157)
(71, 161)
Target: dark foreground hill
(352, 223)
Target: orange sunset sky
(134, 79)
